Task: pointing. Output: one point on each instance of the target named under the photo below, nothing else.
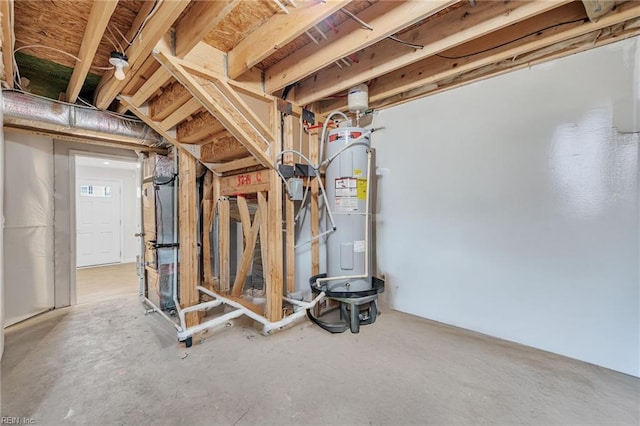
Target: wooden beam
(172, 97)
(143, 114)
(245, 218)
(73, 135)
(290, 258)
(222, 149)
(167, 12)
(439, 34)
(247, 255)
(99, 18)
(203, 17)
(230, 110)
(188, 268)
(277, 32)
(598, 8)
(314, 147)
(208, 205)
(8, 41)
(263, 209)
(181, 114)
(413, 77)
(246, 183)
(199, 127)
(618, 32)
(151, 86)
(274, 289)
(224, 243)
(241, 163)
(385, 17)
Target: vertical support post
(314, 147)
(263, 210)
(224, 243)
(290, 260)
(188, 235)
(274, 291)
(207, 218)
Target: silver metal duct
(40, 110)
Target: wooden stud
(8, 40)
(245, 218)
(385, 17)
(247, 255)
(290, 259)
(314, 146)
(277, 32)
(207, 219)
(188, 268)
(154, 30)
(439, 34)
(199, 21)
(263, 210)
(274, 291)
(99, 17)
(224, 243)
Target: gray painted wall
(510, 206)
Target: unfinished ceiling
(308, 51)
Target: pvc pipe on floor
(158, 310)
(267, 325)
(198, 307)
(182, 335)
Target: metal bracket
(284, 106)
(308, 116)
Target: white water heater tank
(358, 98)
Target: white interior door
(98, 219)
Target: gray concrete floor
(107, 363)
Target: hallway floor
(108, 363)
(103, 282)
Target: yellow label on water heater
(362, 189)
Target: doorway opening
(107, 211)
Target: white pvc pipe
(209, 324)
(198, 307)
(158, 310)
(267, 325)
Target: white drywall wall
(65, 254)
(130, 218)
(510, 206)
(28, 233)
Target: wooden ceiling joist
(201, 126)
(172, 97)
(437, 35)
(143, 114)
(412, 81)
(8, 41)
(200, 20)
(222, 149)
(598, 8)
(185, 111)
(157, 26)
(386, 18)
(99, 18)
(160, 78)
(217, 97)
(277, 32)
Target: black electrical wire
(512, 41)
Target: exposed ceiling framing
(186, 58)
